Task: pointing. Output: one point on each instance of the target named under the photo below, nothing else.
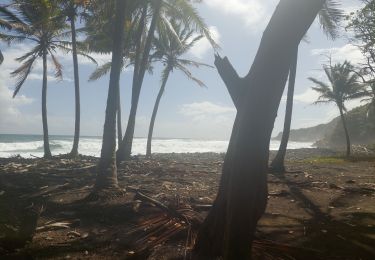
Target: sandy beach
(323, 208)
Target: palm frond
(22, 73)
(184, 10)
(194, 63)
(101, 71)
(190, 75)
(330, 17)
(58, 67)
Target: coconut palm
(329, 18)
(42, 26)
(107, 171)
(343, 86)
(70, 10)
(100, 41)
(162, 11)
(169, 51)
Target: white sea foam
(92, 145)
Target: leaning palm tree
(162, 11)
(169, 51)
(329, 19)
(42, 26)
(343, 86)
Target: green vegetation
(360, 127)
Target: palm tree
(99, 40)
(70, 10)
(41, 25)
(107, 170)
(162, 10)
(329, 19)
(343, 86)
(168, 51)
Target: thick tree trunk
(74, 151)
(107, 170)
(47, 151)
(124, 151)
(277, 164)
(229, 229)
(153, 117)
(119, 124)
(343, 120)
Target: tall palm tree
(162, 11)
(343, 86)
(99, 40)
(70, 10)
(42, 26)
(329, 18)
(107, 170)
(169, 51)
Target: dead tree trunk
(228, 230)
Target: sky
(186, 110)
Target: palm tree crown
(344, 85)
(169, 50)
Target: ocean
(32, 145)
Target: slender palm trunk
(154, 112)
(47, 151)
(1, 57)
(119, 124)
(343, 120)
(124, 151)
(229, 228)
(107, 170)
(74, 151)
(278, 162)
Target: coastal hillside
(361, 130)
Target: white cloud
(308, 97)
(201, 47)
(339, 54)
(205, 109)
(251, 12)
(11, 117)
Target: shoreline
(291, 155)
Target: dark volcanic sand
(324, 204)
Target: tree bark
(343, 120)
(119, 124)
(107, 170)
(74, 151)
(233, 82)
(229, 228)
(124, 151)
(47, 151)
(277, 164)
(153, 117)
(1, 57)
